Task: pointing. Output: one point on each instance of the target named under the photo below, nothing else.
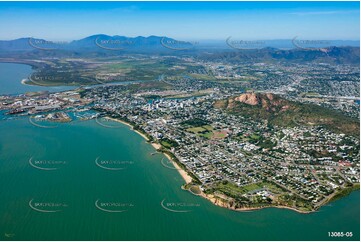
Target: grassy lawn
(195, 190)
(231, 189)
(252, 187)
(272, 187)
(255, 137)
(196, 129)
(166, 144)
(207, 135)
(219, 135)
(207, 132)
(201, 128)
(208, 127)
(204, 131)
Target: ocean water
(86, 181)
(11, 75)
(90, 202)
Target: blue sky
(181, 20)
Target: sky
(181, 20)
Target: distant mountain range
(106, 42)
(96, 43)
(336, 55)
(230, 50)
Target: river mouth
(14, 81)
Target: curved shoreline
(129, 125)
(188, 179)
(33, 67)
(23, 81)
(215, 202)
(20, 62)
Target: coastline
(16, 61)
(129, 125)
(23, 81)
(222, 204)
(156, 146)
(119, 121)
(187, 178)
(216, 201)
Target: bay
(11, 75)
(83, 200)
(139, 189)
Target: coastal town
(232, 159)
(238, 162)
(180, 120)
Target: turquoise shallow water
(139, 189)
(77, 183)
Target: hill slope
(282, 112)
(335, 55)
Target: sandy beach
(123, 122)
(156, 146)
(187, 178)
(23, 81)
(119, 121)
(145, 137)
